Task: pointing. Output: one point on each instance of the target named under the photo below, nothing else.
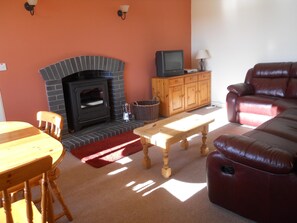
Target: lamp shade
(32, 2)
(124, 8)
(202, 54)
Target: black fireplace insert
(86, 100)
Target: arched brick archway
(111, 68)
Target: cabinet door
(176, 99)
(204, 92)
(191, 96)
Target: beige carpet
(125, 192)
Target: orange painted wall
(69, 28)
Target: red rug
(109, 150)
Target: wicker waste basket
(147, 111)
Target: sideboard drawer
(176, 81)
(191, 79)
(204, 76)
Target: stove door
(87, 104)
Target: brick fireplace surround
(110, 68)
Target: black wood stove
(86, 99)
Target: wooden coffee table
(168, 131)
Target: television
(169, 63)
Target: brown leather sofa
(255, 174)
(268, 89)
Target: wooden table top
(21, 142)
(165, 130)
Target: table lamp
(202, 55)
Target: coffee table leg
(184, 144)
(166, 171)
(146, 162)
(204, 149)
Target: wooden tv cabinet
(182, 93)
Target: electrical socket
(3, 67)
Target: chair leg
(50, 211)
(58, 195)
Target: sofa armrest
(255, 154)
(241, 89)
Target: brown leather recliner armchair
(268, 89)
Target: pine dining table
(21, 142)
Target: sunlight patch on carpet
(124, 160)
(181, 190)
(108, 151)
(117, 171)
(130, 184)
(140, 187)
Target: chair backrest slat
(51, 123)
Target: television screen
(173, 61)
(170, 63)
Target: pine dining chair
(24, 209)
(52, 124)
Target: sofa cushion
(274, 140)
(253, 153)
(285, 103)
(272, 70)
(257, 105)
(290, 113)
(282, 127)
(271, 78)
(270, 86)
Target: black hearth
(86, 99)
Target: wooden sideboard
(182, 93)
